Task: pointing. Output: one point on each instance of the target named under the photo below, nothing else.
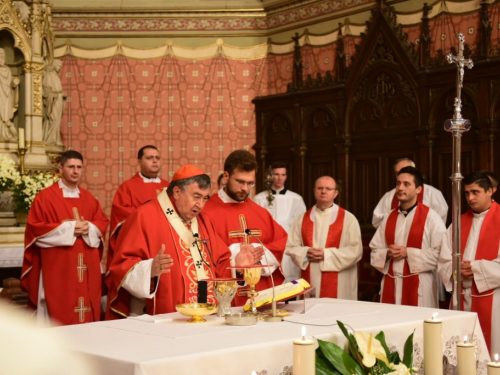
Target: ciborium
(225, 290)
(196, 311)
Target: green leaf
(324, 367)
(352, 344)
(381, 337)
(340, 360)
(394, 358)
(408, 352)
(386, 369)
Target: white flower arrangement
(28, 187)
(9, 175)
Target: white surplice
(486, 275)
(342, 260)
(285, 209)
(420, 261)
(433, 198)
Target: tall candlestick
(304, 359)
(21, 138)
(433, 346)
(494, 367)
(466, 358)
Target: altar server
(325, 242)
(242, 223)
(406, 246)
(480, 267)
(63, 248)
(144, 186)
(430, 196)
(284, 208)
(166, 246)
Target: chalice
(225, 290)
(252, 276)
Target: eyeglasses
(325, 188)
(242, 183)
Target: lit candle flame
(434, 316)
(496, 357)
(466, 339)
(254, 372)
(303, 332)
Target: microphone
(268, 318)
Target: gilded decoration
(9, 19)
(37, 94)
(32, 67)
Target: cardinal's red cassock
(232, 219)
(131, 194)
(70, 267)
(144, 232)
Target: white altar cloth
(141, 346)
(11, 256)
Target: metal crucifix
(457, 125)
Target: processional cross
(457, 125)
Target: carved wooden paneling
(316, 168)
(365, 173)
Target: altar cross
(81, 267)
(81, 309)
(241, 232)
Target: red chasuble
(232, 219)
(487, 249)
(130, 195)
(329, 280)
(395, 201)
(71, 274)
(141, 238)
(411, 281)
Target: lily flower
(370, 348)
(399, 369)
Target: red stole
(487, 249)
(329, 280)
(395, 202)
(411, 281)
(71, 275)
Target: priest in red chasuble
(242, 223)
(480, 267)
(63, 248)
(406, 246)
(165, 247)
(144, 186)
(325, 242)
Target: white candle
(21, 139)
(466, 358)
(304, 359)
(433, 346)
(494, 367)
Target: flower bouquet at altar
(28, 186)
(9, 174)
(366, 355)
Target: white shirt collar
(67, 192)
(148, 180)
(226, 198)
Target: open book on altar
(282, 292)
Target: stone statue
(54, 100)
(9, 100)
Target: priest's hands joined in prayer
(396, 252)
(467, 272)
(81, 227)
(161, 263)
(315, 254)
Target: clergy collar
(74, 191)
(149, 180)
(478, 214)
(226, 198)
(281, 192)
(406, 212)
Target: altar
(166, 343)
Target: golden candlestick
(21, 152)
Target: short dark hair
(220, 178)
(278, 164)
(202, 180)
(417, 175)
(140, 154)
(479, 178)
(493, 178)
(70, 154)
(240, 159)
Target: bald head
(401, 163)
(325, 191)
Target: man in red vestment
(480, 250)
(63, 248)
(166, 246)
(144, 186)
(242, 223)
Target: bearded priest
(165, 247)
